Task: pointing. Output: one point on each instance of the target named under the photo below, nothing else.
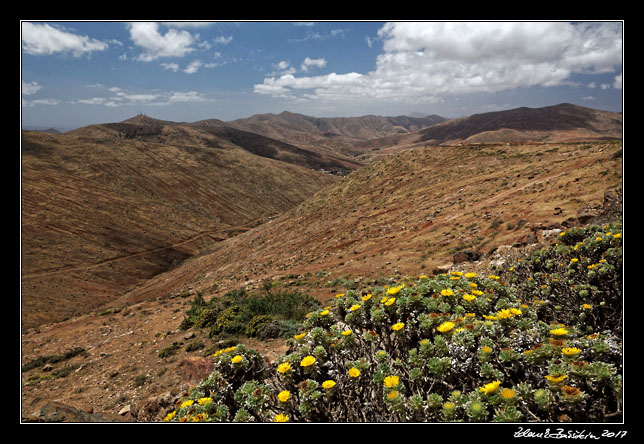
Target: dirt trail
(130, 256)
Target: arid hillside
(551, 124)
(343, 135)
(410, 213)
(102, 214)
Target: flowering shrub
(539, 343)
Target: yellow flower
(236, 360)
(486, 349)
(494, 277)
(587, 306)
(284, 395)
(398, 326)
(300, 336)
(187, 403)
(470, 275)
(339, 295)
(346, 332)
(490, 318)
(574, 259)
(392, 395)
(307, 361)
(328, 384)
(391, 381)
(469, 297)
(570, 392)
(570, 351)
(199, 417)
(504, 314)
(477, 292)
(354, 372)
(324, 312)
(284, 367)
(170, 415)
(617, 235)
(202, 401)
(507, 393)
(447, 292)
(280, 418)
(354, 307)
(515, 311)
(491, 387)
(473, 284)
(395, 290)
(556, 379)
(390, 301)
(366, 297)
(456, 273)
(422, 276)
(445, 327)
(559, 331)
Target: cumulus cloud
(155, 44)
(29, 88)
(44, 39)
(308, 62)
(425, 61)
(193, 67)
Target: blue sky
(79, 73)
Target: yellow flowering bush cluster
(452, 347)
(580, 277)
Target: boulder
(58, 412)
(194, 368)
(465, 256)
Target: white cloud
(190, 96)
(618, 82)
(221, 40)
(308, 62)
(174, 43)
(170, 67)
(193, 67)
(29, 88)
(122, 97)
(425, 61)
(43, 39)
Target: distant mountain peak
(142, 119)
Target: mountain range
(107, 207)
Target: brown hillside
(551, 124)
(101, 215)
(213, 134)
(342, 135)
(409, 213)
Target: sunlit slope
(412, 211)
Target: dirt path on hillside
(36, 274)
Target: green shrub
(240, 312)
(526, 345)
